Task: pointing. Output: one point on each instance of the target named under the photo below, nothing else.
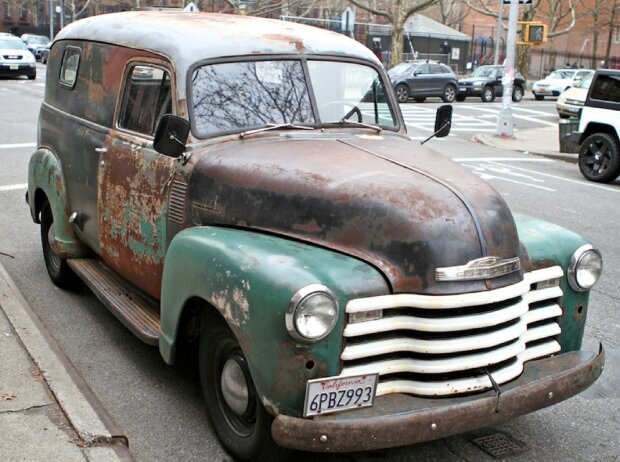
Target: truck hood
(383, 199)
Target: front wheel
(487, 95)
(237, 415)
(449, 93)
(517, 94)
(57, 267)
(539, 97)
(402, 93)
(599, 158)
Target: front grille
(574, 102)
(443, 345)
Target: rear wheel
(487, 94)
(57, 267)
(32, 76)
(599, 158)
(237, 415)
(449, 93)
(517, 94)
(402, 93)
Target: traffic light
(534, 33)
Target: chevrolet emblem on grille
(481, 268)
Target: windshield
(561, 75)
(401, 68)
(585, 83)
(12, 44)
(484, 72)
(237, 96)
(38, 40)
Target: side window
(423, 69)
(146, 98)
(607, 88)
(69, 66)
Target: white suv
(599, 129)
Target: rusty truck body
(248, 186)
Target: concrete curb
(519, 145)
(82, 408)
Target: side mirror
(443, 121)
(171, 135)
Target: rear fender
(46, 181)
(250, 279)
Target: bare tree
(396, 12)
(559, 15)
(613, 24)
(452, 12)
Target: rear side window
(69, 66)
(607, 88)
(147, 97)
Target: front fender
(547, 244)
(250, 279)
(45, 178)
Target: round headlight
(312, 313)
(585, 268)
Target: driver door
(133, 180)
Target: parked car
(420, 80)
(45, 53)
(559, 81)
(35, 43)
(599, 128)
(571, 101)
(258, 201)
(486, 82)
(15, 59)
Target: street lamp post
(504, 121)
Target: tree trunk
(612, 25)
(398, 25)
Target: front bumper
(470, 91)
(10, 70)
(545, 92)
(399, 420)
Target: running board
(134, 310)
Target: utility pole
(51, 16)
(498, 35)
(504, 121)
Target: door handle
(101, 150)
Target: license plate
(572, 109)
(462, 88)
(332, 394)
(13, 67)
(542, 90)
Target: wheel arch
(46, 183)
(597, 127)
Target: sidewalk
(47, 412)
(542, 141)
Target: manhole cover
(499, 445)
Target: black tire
(460, 98)
(43, 59)
(402, 93)
(58, 269)
(517, 93)
(32, 76)
(599, 158)
(487, 95)
(449, 93)
(539, 97)
(245, 435)
(419, 99)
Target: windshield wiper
(359, 124)
(269, 127)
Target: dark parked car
(486, 82)
(35, 43)
(422, 80)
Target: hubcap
(235, 387)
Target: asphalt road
(160, 407)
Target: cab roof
(188, 37)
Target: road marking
(516, 116)
(491, 159)
(18, 145)
(13, 187)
